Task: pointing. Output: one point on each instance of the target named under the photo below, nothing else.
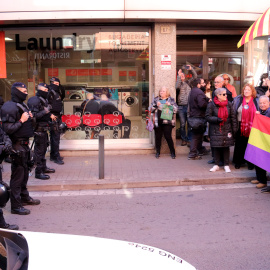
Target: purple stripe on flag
(258, 157)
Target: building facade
(126, 50)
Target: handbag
(149, 122)
(149, 125)
(197, 123)
(167, 112)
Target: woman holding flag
(245, 107)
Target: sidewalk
(133, 171)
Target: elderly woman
(245, 107)
(222, 127)
(163, 126)
(261, 174)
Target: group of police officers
(41, 115)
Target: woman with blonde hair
(163, 126)
(245, 106)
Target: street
(211, 227)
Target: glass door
(229, 65)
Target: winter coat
(221, 136)
(197, 103)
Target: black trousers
(2, 220)
(221, 154)
(41, 144)
(196, 143)
(19, 175)
(55, 139)
(261, 175)
(240, 148)
(165, 130)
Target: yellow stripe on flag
(259, 139)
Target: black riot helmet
(4, 195)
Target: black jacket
(90, 106)
(261, 90)
(11, 114)
(221, 136)
(197, 103)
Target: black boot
(42, 176)
(48, 170)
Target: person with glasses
(219, 83)
(222, 128)
(245, 107)
(227, 85)
(197, 103)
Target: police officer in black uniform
(55, 98)
(5, 149)
(17, 123)
(40, 109)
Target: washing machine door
(76, 96)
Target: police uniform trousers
(19, 174)
(41, 144)
(55, 139)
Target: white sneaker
(227, 169)
(214, 169)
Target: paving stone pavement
(125, 171)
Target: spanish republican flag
(258, 148)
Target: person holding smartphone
(182, 92)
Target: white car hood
(61, 251)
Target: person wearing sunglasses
(227, 85)
(222, 127)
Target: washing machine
(74, 96)
(130, 101)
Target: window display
(110, 63)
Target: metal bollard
(101, 156)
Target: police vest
(11, 112)
(56, 102)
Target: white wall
(130, 9)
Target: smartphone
(185, 67)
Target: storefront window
(107, 62)
(256, 59)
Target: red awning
(259, 28)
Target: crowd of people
(219, 114)
(216, 115)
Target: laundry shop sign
(77, 43)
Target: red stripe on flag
(262, 123)
(3, 66)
